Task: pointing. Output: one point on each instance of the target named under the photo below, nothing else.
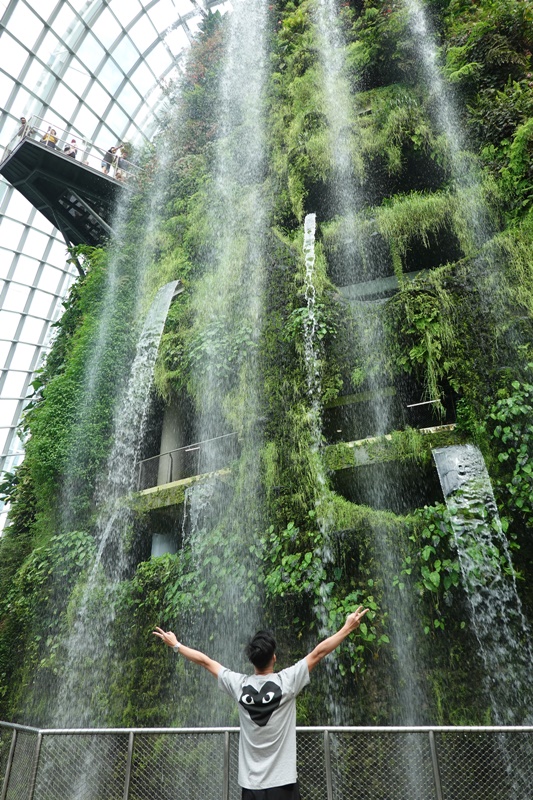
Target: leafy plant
(510, 423)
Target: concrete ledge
(413, 444)
(170, 494)
(408, 445)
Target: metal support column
(435, 765)
(327, 759)
(128, 766)
(225, 788)
(9, 763)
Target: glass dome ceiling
(97, 70)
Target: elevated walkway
(75, 198)
(74, 194)
(161, 485)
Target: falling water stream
(87, 646)
(94, 377)
(498, 622)
(228, 304)
(125, 275)
(230, 297)
(323, 516)
(477, 229)
(348, 200)
(310, 322)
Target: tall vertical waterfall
(464, 171)
(349, 202)
(228, 305)
(87, 645)
(338, 240)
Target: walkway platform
(76, 198)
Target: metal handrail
(91, 155)
(299, 729)
(188, 448)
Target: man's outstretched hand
(196, 656)
(332, 642)
(353, 620)
(167, 636)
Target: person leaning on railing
(71, 149)
(50, 138)
(267, 708)
(108, 159)
(25, 129)
(121, 164)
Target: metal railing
(334, 763)
(89, 154)
(188, 461)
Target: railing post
(9, 763)
(435, 764)
(327, 759)
(127, 779)
(225, 788)
(35, 766)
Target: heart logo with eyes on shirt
(260, 705)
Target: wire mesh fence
(167, 767)
(66, 761)
(499, 766)
(202, 764)
(21, 765)
(6, 738)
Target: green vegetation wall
(460, 328)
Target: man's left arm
(332, 642)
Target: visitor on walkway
(122, 164)
(70, 149)
(50, 138)
(107, 160)
(267, 708)
(22, 130)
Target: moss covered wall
(458, 333)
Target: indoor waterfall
(88, 658)
(344, 313)
(360, 264)
(228, 305)
(476, 228)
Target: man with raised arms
(267, 708)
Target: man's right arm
(189, 653)
(332, 642)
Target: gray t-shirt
(267, 713)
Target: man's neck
(268, 670)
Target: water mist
(228, 307)
(85, 675)
(348, 202)
(472, 219)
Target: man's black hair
(261, 648)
